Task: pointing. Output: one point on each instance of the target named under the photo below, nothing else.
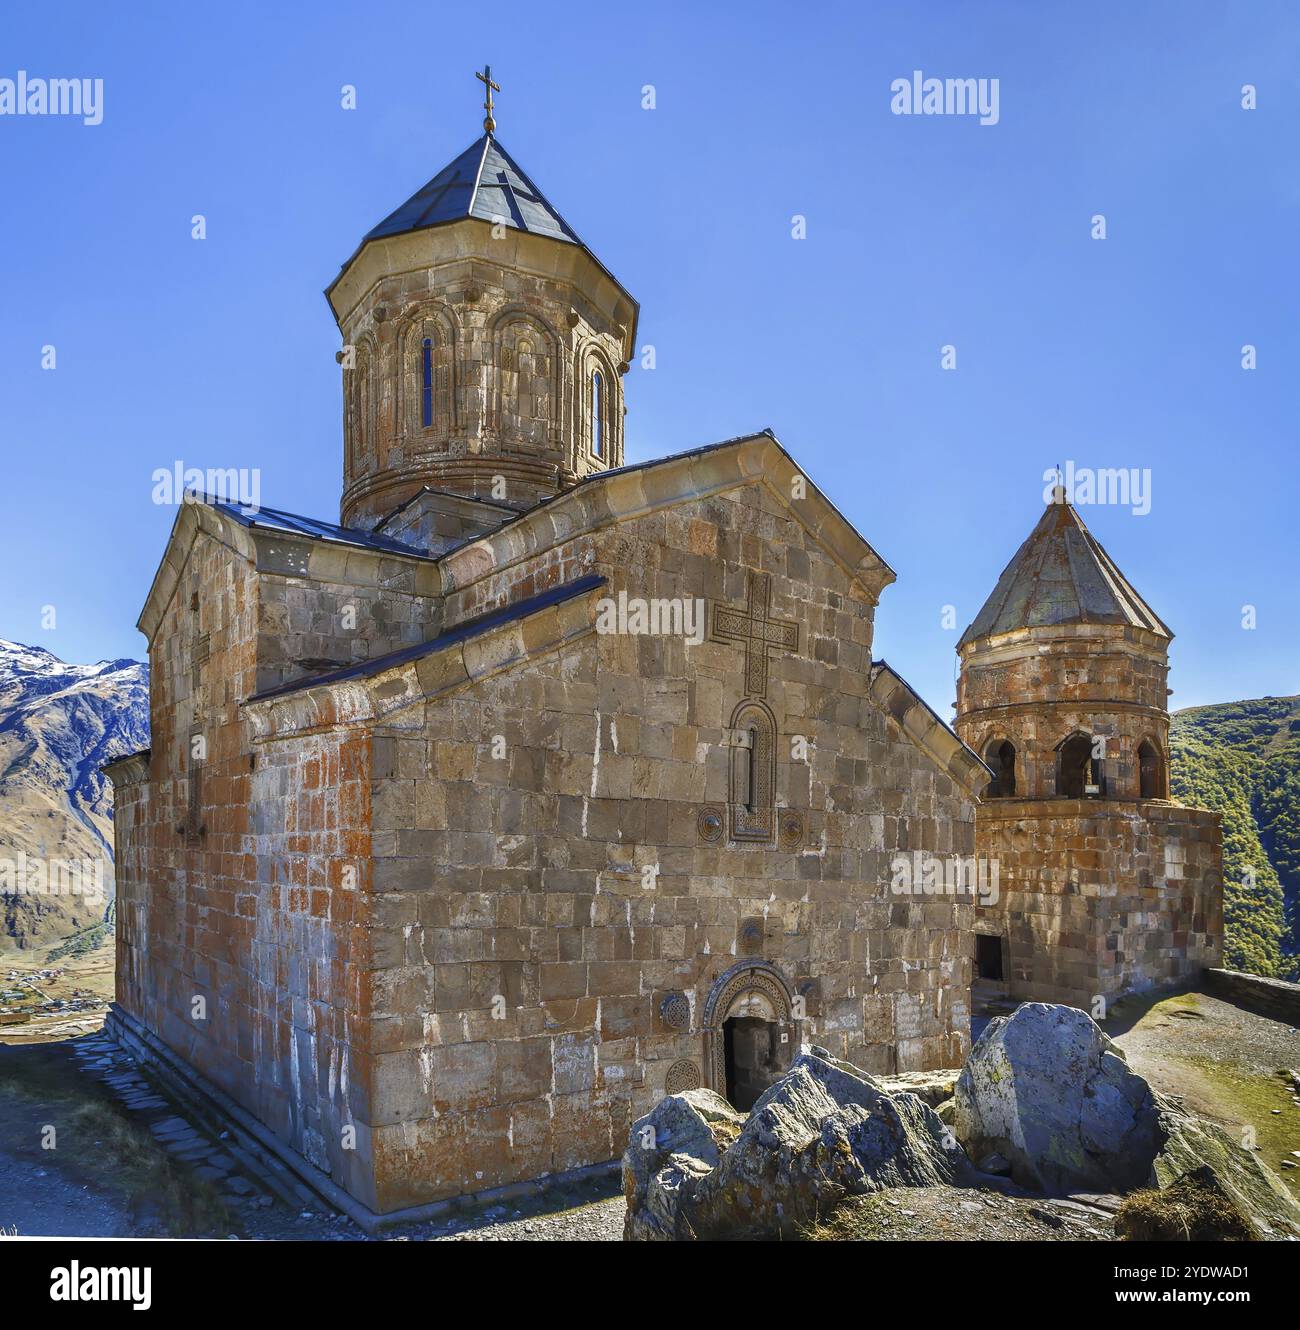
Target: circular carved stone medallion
(749, 940)
(790, 826)
(710, 824)
(682, 1075)
(675, 1011)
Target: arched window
(1079, 773)
(598, 414)
(753, 773)
(1151, 771)
(1000, 756)
(426, 380)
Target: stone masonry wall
(1102, 898)
(1038, 687)
(319, 604)
(537, 899)
(239, 942)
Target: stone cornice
(892, 693)
(1059, 639)
(470, 239)
(128, 770)
(1053, 810)
(1063, 704)
(607, 498)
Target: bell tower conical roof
(483, 182)
(1061, 575)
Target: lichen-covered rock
(1191, 1144)
(678, 1142)
(1048, 1090)
(824, 1131)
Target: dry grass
(1194, 1209)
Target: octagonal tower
(484, 349)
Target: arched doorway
(750, 1034)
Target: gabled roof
(1061, 575)
(604, 497)
(483, 182)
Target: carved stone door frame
(757, 980)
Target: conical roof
(483, 182)
(1061, 575)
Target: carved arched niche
(752, 799)
(359, 431)
(526, 381)
(754, 989)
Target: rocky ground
(128, 1160)
(943, 1214)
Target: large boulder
(1046, 1089)
(675, 1145)
(824, 1131)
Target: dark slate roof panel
(275, 519)
(1061, 575)
(483, 182)
(461, 633)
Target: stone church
(444, 872)
(1106, 886)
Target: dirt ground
(1225, 1063)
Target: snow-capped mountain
(58, 724)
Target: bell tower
(1063, 673)
(1105, 886)
(484, 348)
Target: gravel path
(39, 1201)
(598, 1221)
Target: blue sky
(922, 232)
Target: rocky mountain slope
(1243, 760)
(58, 724)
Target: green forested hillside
(1243, 759)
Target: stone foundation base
(187, 1084)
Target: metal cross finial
(486, 78)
